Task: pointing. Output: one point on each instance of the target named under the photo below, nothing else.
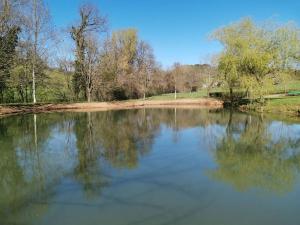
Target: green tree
(288, 37)
(8, 42)
(248, 56)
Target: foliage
(8, 42)
(254, 56)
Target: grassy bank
(285, 104)
(282, 104)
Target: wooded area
(86, 62)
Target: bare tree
(91, 65)
(176, 73)
(37, 32)
(145, 65)
(91, 23)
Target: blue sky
(178, 30)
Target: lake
(149, 167)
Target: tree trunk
(231, 95)
(35, 49)
(33, 85)
(89, 97)
(89, 88)
(208, 91)
(209, 85)
(26, 93)
(2, 97)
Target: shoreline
(282, 110)
(104, 106)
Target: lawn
(293, 85)
(285, 101)
(286, 104)
(198, 94)
(184, 95)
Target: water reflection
(253, 155)
(72, 154)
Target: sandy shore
(100, 106)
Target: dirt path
(100, 106)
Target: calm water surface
(149, 167)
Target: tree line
(86, 62)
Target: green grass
(285, 101)
(199, 94)
(184, 95)
(293, 85)
(285, 104)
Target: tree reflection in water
(249, 156)
(39, 152)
